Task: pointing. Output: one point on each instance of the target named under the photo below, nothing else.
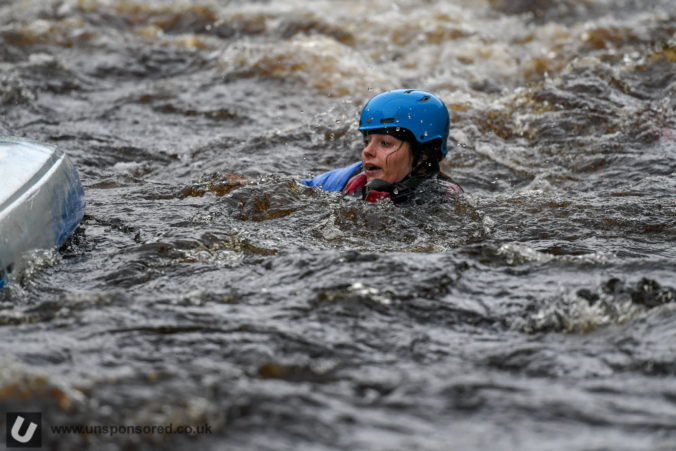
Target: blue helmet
(419, 112)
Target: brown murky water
(535, 312)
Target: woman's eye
(384, 143)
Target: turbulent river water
(535, 312)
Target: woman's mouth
(371, 169)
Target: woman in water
(405, 133)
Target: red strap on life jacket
(374, 196)
(357, 182)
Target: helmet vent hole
(387, 120)
(408, 91)
(424, 99)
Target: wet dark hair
(427, 157)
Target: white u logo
(27, 435)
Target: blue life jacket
(333, 180)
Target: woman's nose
(369, 149)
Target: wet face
(386, 158)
